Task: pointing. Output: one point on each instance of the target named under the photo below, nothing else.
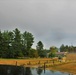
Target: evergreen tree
(39, 48)
(17, 46)
(1, 44)
(28, 41)
(62, 48)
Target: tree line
(14, 44)
(66, 48)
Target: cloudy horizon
(51, 21)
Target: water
(14, 70)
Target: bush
(60, 57)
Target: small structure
(63, 54)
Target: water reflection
(39, 71)
(28, 71)
(15, 70)
(10, 70)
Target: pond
(15, 70)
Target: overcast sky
(51, 21)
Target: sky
(51, 21)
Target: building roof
(61, 53)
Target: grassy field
(69, 67)
(24, 61)
(71, 56)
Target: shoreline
(64, 68)
(67, 68)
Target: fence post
(39, 62)
(29, 63)
(16, 63)
(53, 62)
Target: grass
(69, 67)
(71, 56)
(24, 61)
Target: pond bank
(69, 67)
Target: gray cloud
(51, 21)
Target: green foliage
(53, 51)
(16, 45)
(62, 48)
(52, 55)
(13, 44)
(28, 41)
(43, 53)
(66, 48)
(60, 57)
(39, 48)
(33, 53)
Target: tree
(39, 45)
(9, 39)
(62, 48)
(5, 44)
(14, 44)
(33, 53)
(66, 48)
(43, 53)
(53, 51)
(39, 48)
(1, 44)
(28, 41)
(17, 46)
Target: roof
(61, 53)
